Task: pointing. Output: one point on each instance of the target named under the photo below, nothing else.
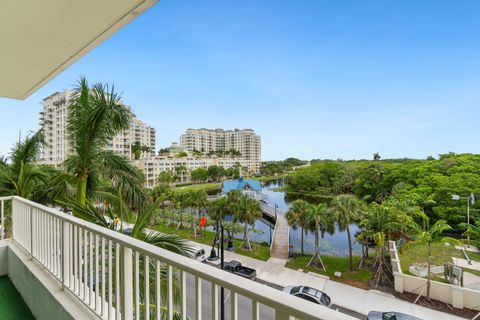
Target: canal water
(336, 244)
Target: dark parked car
(309, 294)
(127, 231)
(236, 267)
(391, 315)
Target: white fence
(457, 296)
(119, 277)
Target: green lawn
(259, 251)
(333, 264)
(12, 306)
(270, 178)
(204, 186)
(440, 254)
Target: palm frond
(170, 242)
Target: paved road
(244, 304)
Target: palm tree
(319, 219)
(346, 210)
(169, 242)
(180, 201)
(218, 209)
(472, 231)
(297, 217)
(146, 150)
(196, 199)
(247, 211)
(180, 171)
(22, 176)
(162, 191)
(136, 150)
(377, 225)
(424, 234)
(96, 116)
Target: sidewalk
(349, 297)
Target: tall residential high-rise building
(54, 120)
(244, 141)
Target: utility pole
(470, 200)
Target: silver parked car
(391, 315)
(309, 294)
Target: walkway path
(280, 242)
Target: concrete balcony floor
(12, 306)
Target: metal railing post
(2, 220)
(31, 232)
(126, 291)
(64, 251)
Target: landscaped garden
(333, 264)
(259, 251)
(440, 254)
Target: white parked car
(199, 254)
(309, 294)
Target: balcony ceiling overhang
(40, 39)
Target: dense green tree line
(428, 183)
(280, 167)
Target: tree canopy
(433, 180)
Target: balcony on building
(66, 268)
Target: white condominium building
(54, 119)
(207, 141)
(153, 166)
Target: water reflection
(336, 244)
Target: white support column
(198, 298)
(2, 220)
(158, 296)
(214, 301)
(127, 284)
(65, 254)
(233, 305)
(170, 292)
(457, 296)
(183, 294)
(147, 287)
(398, 281)
(255, 310)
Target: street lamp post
(470, 200)
(219, 239)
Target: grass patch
(270, 178)
(475, 272)
(333, 264)
(440, 254)
(259, 251)
(207, 187)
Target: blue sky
(316, 79)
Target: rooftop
(241, 184)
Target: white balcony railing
(117, 276)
